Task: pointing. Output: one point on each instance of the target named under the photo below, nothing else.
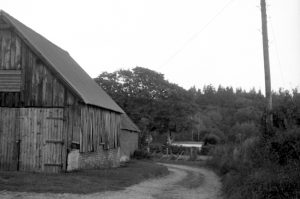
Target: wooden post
(266, 64)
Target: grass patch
(84, 181)
(183, 162)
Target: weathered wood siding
(9, 128)
(40, 87)
(41, 143)
(99, 128)
(72, 125)
(32, 139)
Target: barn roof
(127, 124)
(66, 67)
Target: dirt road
(182, 182)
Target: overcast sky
(192, 42)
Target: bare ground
(182, 182)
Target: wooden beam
(53, 164)
(55, 141)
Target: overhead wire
(277, 52)
(195, 35)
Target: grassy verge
(85, 181)
(181, 162)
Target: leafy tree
(146, 96)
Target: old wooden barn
(49, 106)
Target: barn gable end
(25, 79)
(53, 105)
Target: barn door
(41, 139)
(53, 141)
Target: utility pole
(269, 119)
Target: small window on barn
(10, 80)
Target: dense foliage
(253, 162)
(153, 103)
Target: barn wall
(99, 129)
(40, 87)
(128, 142)
(32, 139)
(95, 133)
(39, 139)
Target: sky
(191, 42)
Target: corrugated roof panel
(67, 67)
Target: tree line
(221, 114)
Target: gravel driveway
(182, 182)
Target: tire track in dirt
(182, 182)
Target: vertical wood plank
(1, 51)
(5, 140)
(30, 152)
(18, 53)
(14, 142)
(13, 51)
(5, 49)
(61, 137)
(21, 136)
(24, 140)
(65, 138)
(34, 81)
(44, 137)
(23, 71)
(10, 135)
(1, 130)
(35, 141)
(39, 139)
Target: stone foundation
(93, 160)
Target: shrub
(284, 147)
(241, 131)
(222, 158)
(205, 150)
(141, 154)
(260, 168)
(211, 139)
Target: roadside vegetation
(253, 162)
(81, 182)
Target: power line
(277, 53)
(195, 35)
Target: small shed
(50, 107)
(188, 144)
(129, 137)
